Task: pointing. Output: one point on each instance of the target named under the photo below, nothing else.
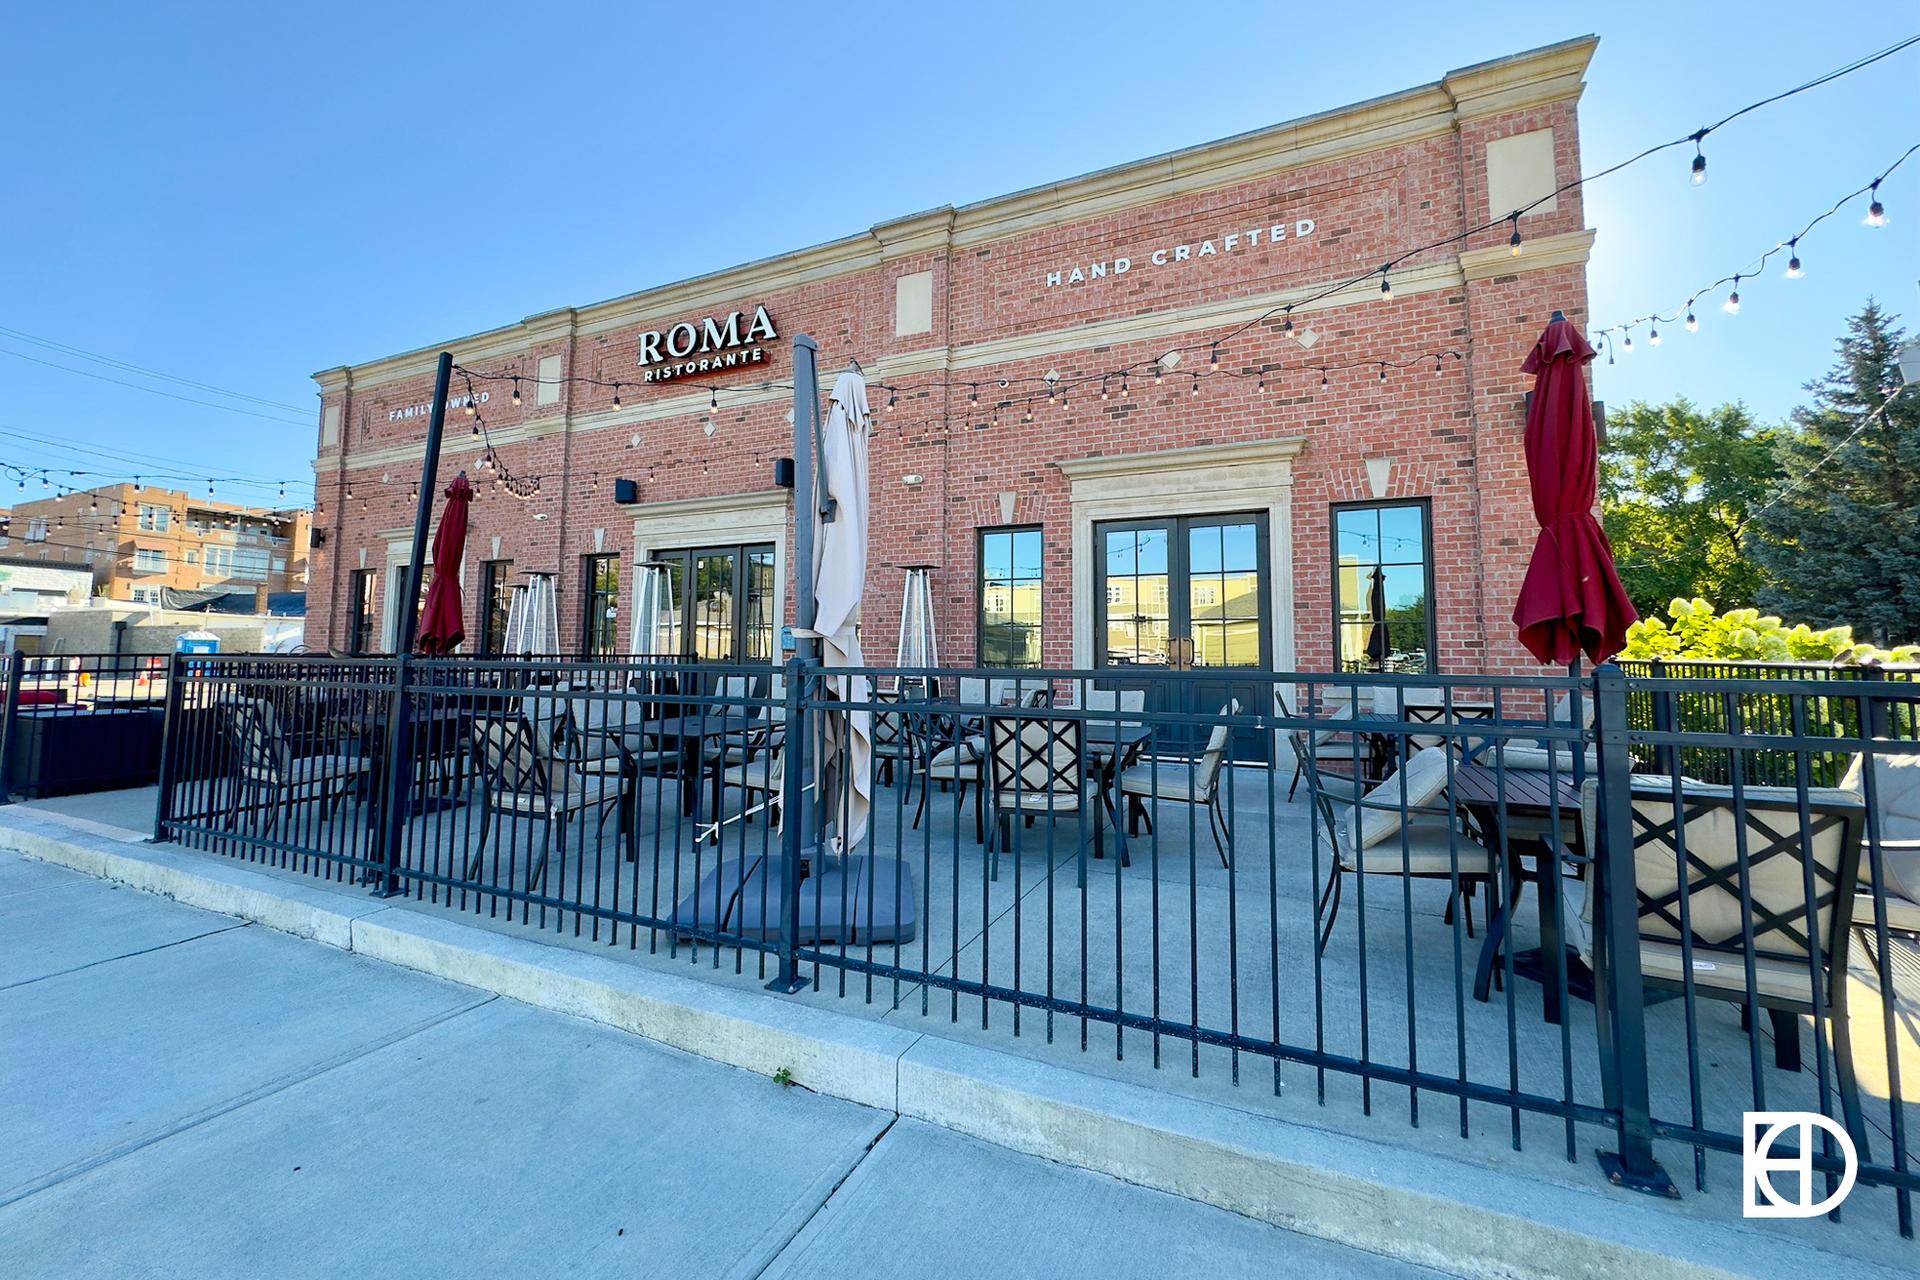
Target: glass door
(726, 601)
(1187, 594)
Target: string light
(1699, 160)
(1123, 386)
(1383, 371)
(1793, 263)
(1732, 305)
(1196, 384)
(616, 395)
(713, 403)
(1876, 212)
(1323, 377)
(893, 398)
(1386, 286)
(1213, 361)
(1653, 337)
(1436, 366)
(516, 392)
(1693, 325)
(1513, 241)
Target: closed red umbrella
(1571, 601)
(441, 629)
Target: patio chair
(1748, 862)
(946, 758)
(522, 776)
(1399, 828)
(271, 776)
(1350, 751)
(891, 745)
(1037, 768)
(1895, 831)
(1197, 784)
(758, 775)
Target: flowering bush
(1746, 635)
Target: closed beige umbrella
(839, 579)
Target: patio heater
(656, 622)
(918, 645)
(842, 896)
(533, 624)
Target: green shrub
(1747, 635)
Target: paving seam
(128, 955)
(827, 1199)
(33, 1186)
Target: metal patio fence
(1464, 898)
(81, 722)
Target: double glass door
(1186, 594)
(726, 601)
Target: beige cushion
(307, 769)
(1903, 914)
(959, 761)
(758, 774)
(1171, 781)
(1896, 800)
(1427, 847)
(579, 793)
(1420, 781)
(1041, 801)
(1525, 755)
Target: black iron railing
(73, 723)
(1471, 897)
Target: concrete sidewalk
(188, 1095)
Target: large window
(154, 518)
(1010, 610)
(1383, 588)
(601, 626)
(496, 593)
(360, 612)
(149, 560)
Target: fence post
(1663, 722)
(1877, 721)
(393, 817)
(9, 720)
(793, 830)
(169, 749)
(1620, 993)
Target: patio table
(1496, 798)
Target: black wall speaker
(783, 472)
(626, 492)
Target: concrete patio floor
(1234, 951)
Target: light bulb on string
(1123, 385)
(1876, 212)
(516, 391)
(1653, 337)
(1196, 384)
(1699, 176)
(1104, 393)
(893, 398)
(1437, 370)
(1513, 241)
(1323, 377)
(973, 391)
(1027, 417)
(1214, 359)
(713, 403)
(1626, 348)
(1383, 371)
(1286, 325)
(475, 432)
(1693, 325)
(1793, 260)
(1732, 305)
(1386, 286)
(616, 395)
(1159, 373)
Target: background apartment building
(165, 546)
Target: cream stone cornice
(1199, 457)
(756, 500)
(1568, 249)
(1524, 79)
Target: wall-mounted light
(912, 480)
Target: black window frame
(1425, 508)
(682, 565)
(980, 592)
(593, 609)
(360, 611)
(496, 593)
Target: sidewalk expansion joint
(128, 955)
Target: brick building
(1233, 514)
(142, 541)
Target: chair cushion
(313, 769)
(961, 760)
(1170, 781)
(758, 774)
(1422, 849)
(1903, 914)
(1529, 755)
(1896, 798)
(1420, 780)
(1040, 801)
(579, 793)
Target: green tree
(1841, 541)
(1677, 487)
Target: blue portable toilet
(197, 642)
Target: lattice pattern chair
(523, 778)
(891, 746)
(1712, 870)
(1399, 828)
(272, 777)
(1197, 784)
(949, 759)
(1037, 767)
(1895, 833)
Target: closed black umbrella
(1379, 643)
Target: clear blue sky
(241, 195)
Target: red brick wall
(1454, 438)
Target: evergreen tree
(1841, 541)
(1677, 486)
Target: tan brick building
(141, 540)
(1234, 511)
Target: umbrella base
(859, 900)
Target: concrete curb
(1423, 1208)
